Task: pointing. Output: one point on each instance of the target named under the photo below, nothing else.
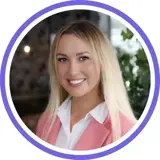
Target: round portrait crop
(72, 83)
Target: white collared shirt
(67, 139)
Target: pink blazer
(95, 136)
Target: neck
(82, 105)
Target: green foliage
(138, 90)
(127, 35)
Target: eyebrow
(77, 54)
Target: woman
(88, 106)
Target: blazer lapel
(94, 136)
(54, 131)
(57, 125)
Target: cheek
(93, 70)
(61, 71)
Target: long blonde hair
(112, 84)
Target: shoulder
(126, 124)
(41, 123)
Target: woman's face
(77, 71)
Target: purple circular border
(87, 3)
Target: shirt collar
(99, 113)
(63, 113)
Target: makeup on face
(78, 72)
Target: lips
(76, 82)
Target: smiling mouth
(76, 82)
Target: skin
(75, 62)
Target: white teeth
(76, 81)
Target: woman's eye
(62, 59)
(83, 58)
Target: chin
(77, 95)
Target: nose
(73, 68)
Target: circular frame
(156, 72)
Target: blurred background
(29, 75)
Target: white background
(13, 145)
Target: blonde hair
(112, 84)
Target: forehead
(71, 44)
